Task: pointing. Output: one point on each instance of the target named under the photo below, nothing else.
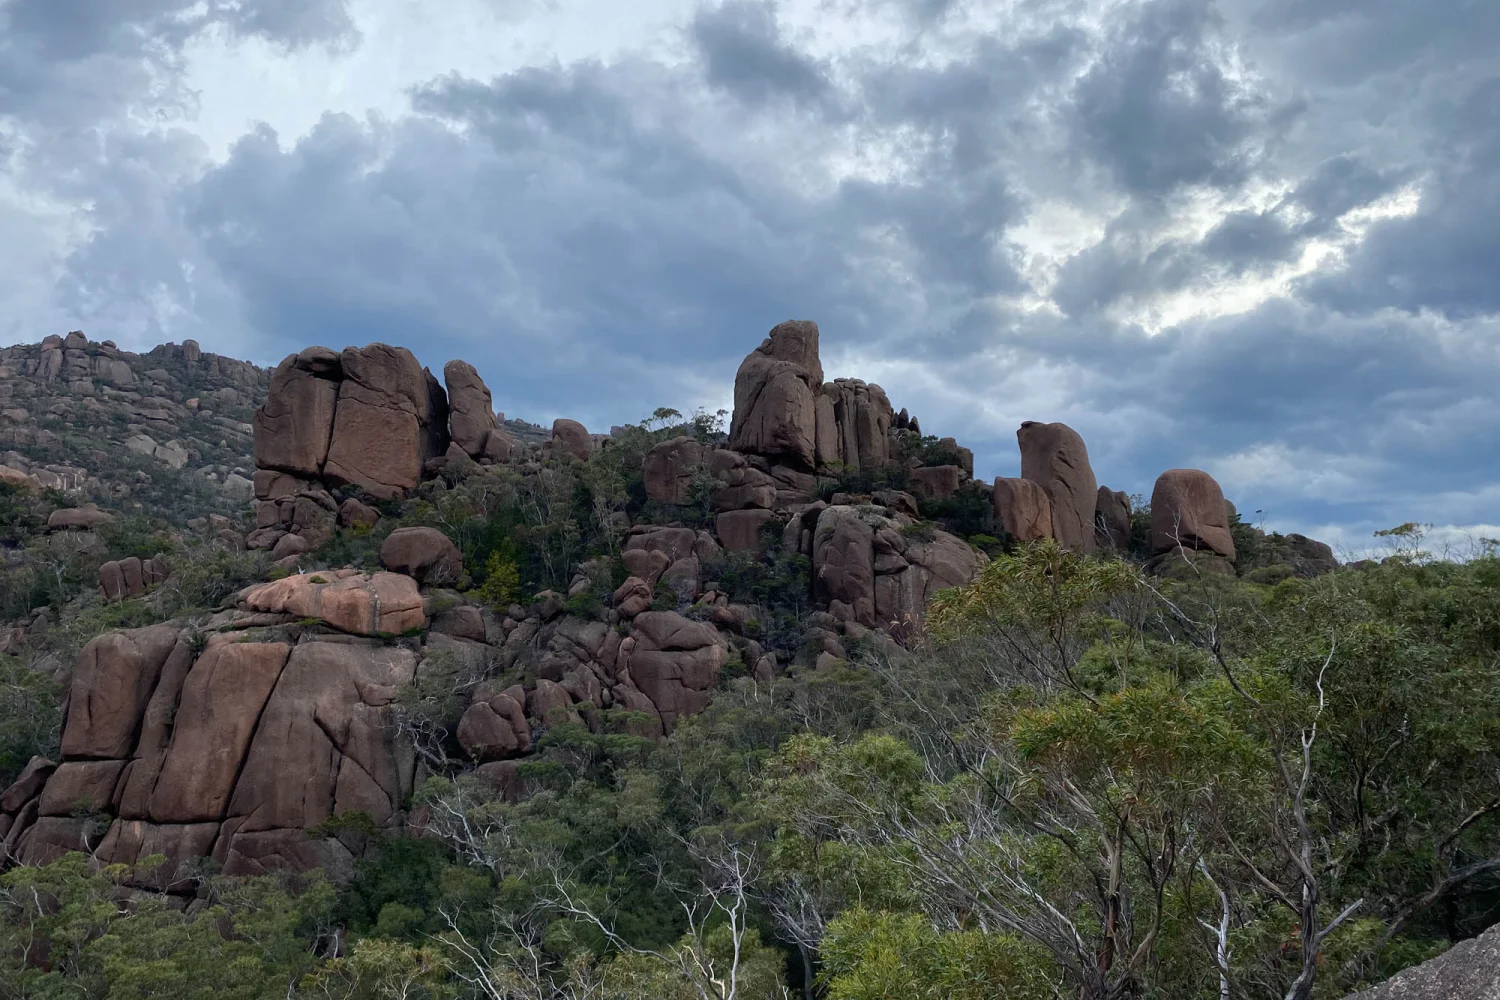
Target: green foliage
(502, 581)
(875, 956)
(30, 717)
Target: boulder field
(231, 736)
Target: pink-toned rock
(1188, 509)
(328, 722)
(221, 704)
(669, 469)
(351, 601)
(15, 477)
(290, 545)
(490, 732)
(572, 438)
(1022, 509)
(937, 480)
(853, 425)
(551, 705)
(632, 597)
(112, 681)
(390, 420)
(843, 562)
(471, 413)
(81, 786)
(293, 427)
(739, 530)
(85, 518)
(424, 554)
(1054, 457)
(774, 392)
(353, 514)
(27, 786)
(1112, 519)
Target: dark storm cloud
(1159, 111)
(602, 239)
(744, 54)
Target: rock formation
(1112, 519)
(572, 438)
(1470, 970)
(1054, 457)
(774, 396)
(1188, 510)
(670, 468)
(472, 423)
(1022, 509)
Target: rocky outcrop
(123, 579)
(1022, 509)
(1470, 970)
(369, 417)
(424, 554)
(85, 518)
(670, 468)
(853, 425)
(1112, 519)
(774, 396)
(226, 748)
(569, 437)
(347, 599)
(472, 424)
(1188, 511)
(1054, 457)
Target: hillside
(167, 432)
(792, 704)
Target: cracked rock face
(228, 748)
(369, 417)
(775, 388)
(1054, 457)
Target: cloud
(1254, 236)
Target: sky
(1256, 237)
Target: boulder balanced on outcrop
(775, 394)
(369, 417)
(472, 423)
(1188, 511)
(1054, 457)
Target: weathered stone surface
(1187, 509)
(1022, 509)
(28, 785)
(85, 518)
(774, 389)
(1311, 557)
(633, 596)
(327, 721)
(739, 530)
(853, 423)
(1470, 970)
(221, 703)
(353, 514)
(843, 562)
(945, 561)
(937, 480)
(112, 681)
(1112, 519)
(471, 409)
(572, 438)
(424, 554)
(351, 601)
(391, 418)
(669, 470)
(294, 425)
(81, 786)
(1054, 457)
